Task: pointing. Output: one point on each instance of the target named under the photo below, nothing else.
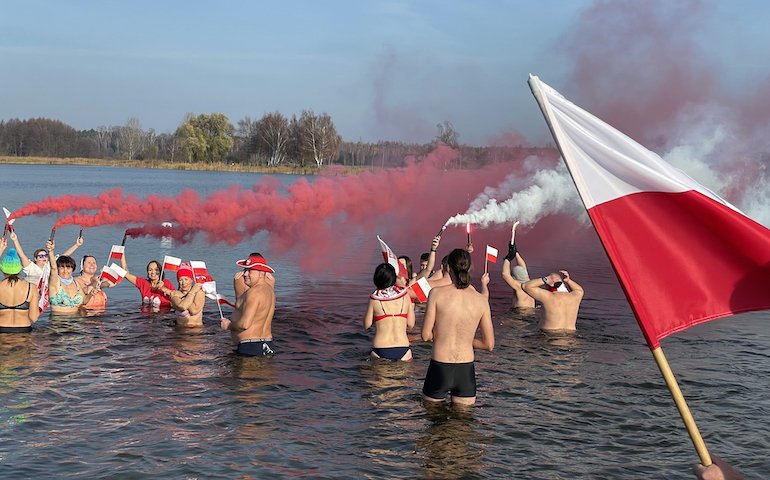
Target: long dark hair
(409, 269)
(460, 268)
(160, 269)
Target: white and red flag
(491, 254)
(682, 254)
(171, 264)
(200, 272)
(391, 258)
(421, 288)
(117, 252)
(114, 273)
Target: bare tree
(272, 137)
(318, 137)
(131, 136)
(447, 134)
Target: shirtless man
(453, 315)
(560, 308)
(252, 319)
(517, 275)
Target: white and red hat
(255, 262)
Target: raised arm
(71, 250)
(53, 278)
(129, 276)
(532, 288)
(574, 287)
(425, 272)
(239, 284)
(24, 260)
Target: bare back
(16, 295)
(453, 315)
(560, 311)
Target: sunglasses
(42, 255)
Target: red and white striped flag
(491, 254)
(171, 264)
(391, 258)
(421, 289)
(117, 252)
(114, 273)
(200, 272)
(710, 259)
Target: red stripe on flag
(683, 259)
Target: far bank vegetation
(273, 143)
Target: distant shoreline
(160, 164)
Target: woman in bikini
(188, 300)
(16, 297)
(64, 293)
(392, 313)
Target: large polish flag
(391, 258)
(682, 254)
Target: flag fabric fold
(682, 254)
(171, 264)
(114, 273)
(391, 258)
(421, 288)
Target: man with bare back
(452, 316)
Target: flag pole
(681, 405)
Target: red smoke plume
(320, 218)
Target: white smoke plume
(549, 192)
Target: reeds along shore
(216, 166)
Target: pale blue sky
(383, 70)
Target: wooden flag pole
(681, 405)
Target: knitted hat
(10, 264)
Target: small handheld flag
(491, 256)
(117, 252)
(171, 264)
(421, 288)
(391, 258)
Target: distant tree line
(273, 140)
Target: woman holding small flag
(151, 287)
(188, 300)
(391, 312)
(92, 285)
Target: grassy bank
(217, 167)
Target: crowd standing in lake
(454, 311)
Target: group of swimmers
(455, 311)
(29, 288)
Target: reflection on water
(125, 394)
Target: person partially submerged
(250, 325)
(560, 296)
(453, 315)
(391, 312)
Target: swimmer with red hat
(251, 323)
(188, 300)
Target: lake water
(127, 395)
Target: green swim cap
(10, 264)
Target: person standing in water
(453, 315)
(250, 325)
